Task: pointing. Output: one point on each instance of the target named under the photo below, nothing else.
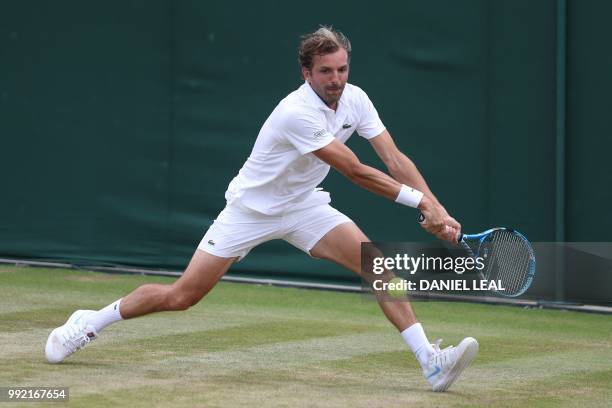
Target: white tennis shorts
(238, 229)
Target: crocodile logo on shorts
(211, 242)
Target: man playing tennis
(274, 196)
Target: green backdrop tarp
(123, 123)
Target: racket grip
(421, 220)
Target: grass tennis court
(266, 346)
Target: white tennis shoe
(445, 365)
(72, 336)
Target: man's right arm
(341, 158)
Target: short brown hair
(325, 40)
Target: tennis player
(275, 196)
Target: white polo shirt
(282, 173)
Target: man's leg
(440, 367)
(202, 274)
(342, 245)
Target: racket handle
(421, 220)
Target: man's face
(328, 76)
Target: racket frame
(482, 236)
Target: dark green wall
(589, 167)
(122, 123)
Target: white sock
(415, 337)
(103, 317)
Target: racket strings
(509, 261)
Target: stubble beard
(332, 98)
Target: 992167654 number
(8, 394)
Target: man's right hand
(438, 222)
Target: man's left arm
(403, 170)
(399, 165)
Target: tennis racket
(507, 256)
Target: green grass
(248, 345)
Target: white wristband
(409, 196)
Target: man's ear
(306, 74)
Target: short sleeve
(306, 131)
(370, 124)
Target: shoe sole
(469, 352)
(48, 348)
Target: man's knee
(177, 299)
(370, 254)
